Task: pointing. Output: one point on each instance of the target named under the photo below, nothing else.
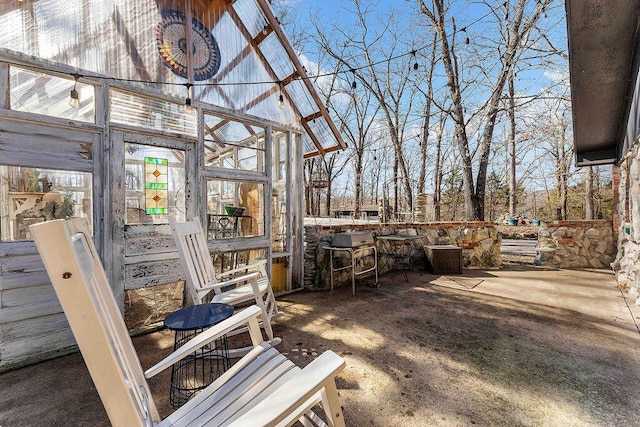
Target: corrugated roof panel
(307, 144)
(321, 129)
(230, 47)
(276, 56)
(121, 40)
(301, 97)
(247, 82)
(12, 35)
(58, 25)
(251, 16)
(265, 108)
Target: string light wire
(189, 86)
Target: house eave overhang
(602, 40)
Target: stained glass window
(142, 186)
(156, 185)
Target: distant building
(366, 212)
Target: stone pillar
(615, 199)
(311, 239)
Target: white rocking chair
(201, 277)
(263, 388)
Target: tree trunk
(457, 110)
(395, 186)
(437, 185)
(358, 188)
(515, 32)
(512, 149)
(427, 118)
(588, 194)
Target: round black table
(201, 368)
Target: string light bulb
(74, 97)
(354, 84)
(265, 30)
(415, 63)
(281, 104)
(466, 39)
(186, 108)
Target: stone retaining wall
(576, 244)
(627, 263)
(480, 243)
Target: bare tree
(557, 142)
(332, 167)
(311, 177)
(515, 26)
(356, 118)
(427, 115)
(376, 60)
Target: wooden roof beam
(266, 9)
(313, 116)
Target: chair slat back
(77, 275)
(194, 256)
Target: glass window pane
(155, 183)
(40, 93)
(279, 202)
(32, 195)
(150, 113)
(234, 209)
(233, 145)
(224, 261)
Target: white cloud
(557, 76)
(325, 79)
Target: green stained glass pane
(156, 161)
(156, 185)
(156, 211)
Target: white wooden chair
(201, 277)
(263, 388)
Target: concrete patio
(516, 346)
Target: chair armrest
(237, 320)
(292, 395)
(230, 282)
(244, 268)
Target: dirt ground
(520, 346)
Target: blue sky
(468, 13)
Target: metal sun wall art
(156, 185)
(172, 46)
